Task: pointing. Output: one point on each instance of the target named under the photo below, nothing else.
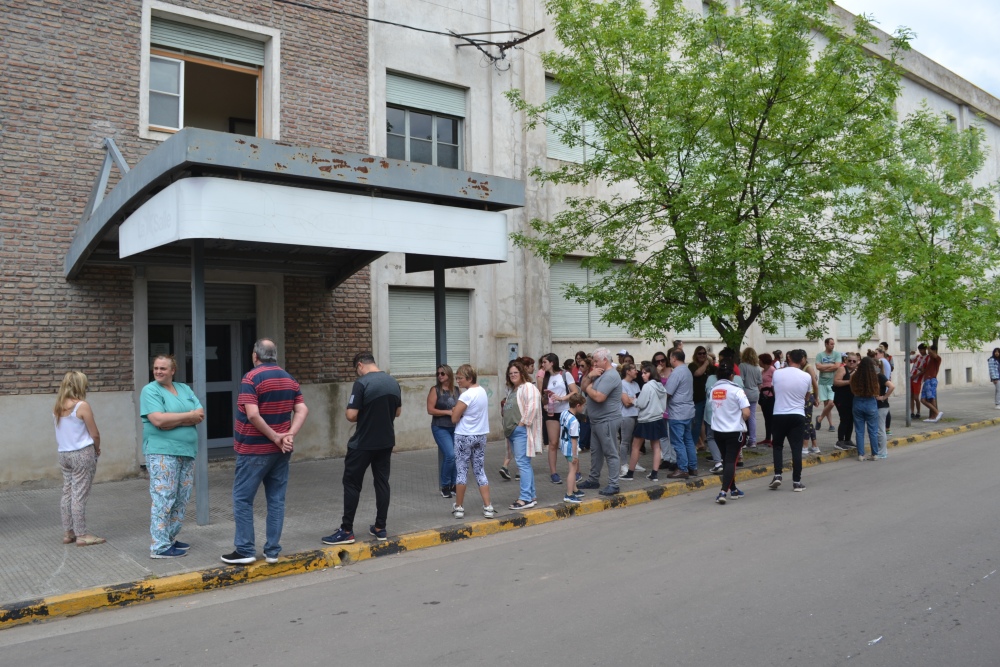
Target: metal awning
(293, 209)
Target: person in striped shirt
(270, 412)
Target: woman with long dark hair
(864, 386)
(556, 386)
(522, 425)
(440, 401)
(652, 402)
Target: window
(702, 328)
(423, 121)
(787, 328)
(556, 148)
(849, 326)
(411, 330)
(576, 321)
(206, 72)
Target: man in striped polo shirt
(270, 411)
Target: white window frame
(434, 138)
(555, 148)
(270, 126)
(179, 94)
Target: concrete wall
(29, 451)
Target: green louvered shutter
(205, 41)
(569, 320)
(413, 93)
(411, 330)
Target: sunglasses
(442, 373)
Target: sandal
(69, 537)
(88, 540)
(517, 504)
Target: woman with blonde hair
(522, 425)
(752, 378)
(472, 424)
(79, 445)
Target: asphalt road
(878, 563)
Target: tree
(731, 135)
(935, 236)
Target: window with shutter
(411, 330)
(423, 121)
(571, 320)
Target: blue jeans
(445, 439)
(519, 445)
(865, 416)
(699, 417)
(251, 471)
(683, 442)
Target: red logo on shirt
(719, 394)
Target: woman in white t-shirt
(556, 386)
(79, 444)
(730, 410)
(471, 416)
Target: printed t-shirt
(569, 428)
(376, 396)
(728, 401)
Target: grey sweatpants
(604, 447)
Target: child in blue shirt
(569, 437)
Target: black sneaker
(446, 492)
(505, 473)
(379, 533)
(609, 491)
(628, 476)
(587, 484)
(236, 558)
(775, 482)
(340, 537)
(653, 476)
(798, 486)
(183, 546)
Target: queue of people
(587, 404)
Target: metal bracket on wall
(111, 154)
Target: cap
(622, 352)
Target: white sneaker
(639, 468)
(997, 407)
(457, 511)
(625, 469)
(815, 450)
(489, 512)
(938, 418)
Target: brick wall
(71, 78)
(324, 330)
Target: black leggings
(846, 427)
(729, 444)
(767, 407)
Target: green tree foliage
(934, 235)
(731, 134)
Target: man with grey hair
(270, 412)
(603, 390)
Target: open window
(201, 74)
(423, 121)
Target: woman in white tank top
(79, 445)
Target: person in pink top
(767, 394)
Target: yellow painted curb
(71, 604)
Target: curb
(122, 595)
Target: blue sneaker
(736, 493)
(579, 494)
(721, 498)
(170, 552)
(572, 499)
(379, 533)
(340, 537)
(609, 491)
(556, 479)
(183, 546)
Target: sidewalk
(35, 564)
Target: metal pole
(198, 372)
(440, 318)
(907, 343)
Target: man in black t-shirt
(375, 403)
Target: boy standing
(569, 435)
